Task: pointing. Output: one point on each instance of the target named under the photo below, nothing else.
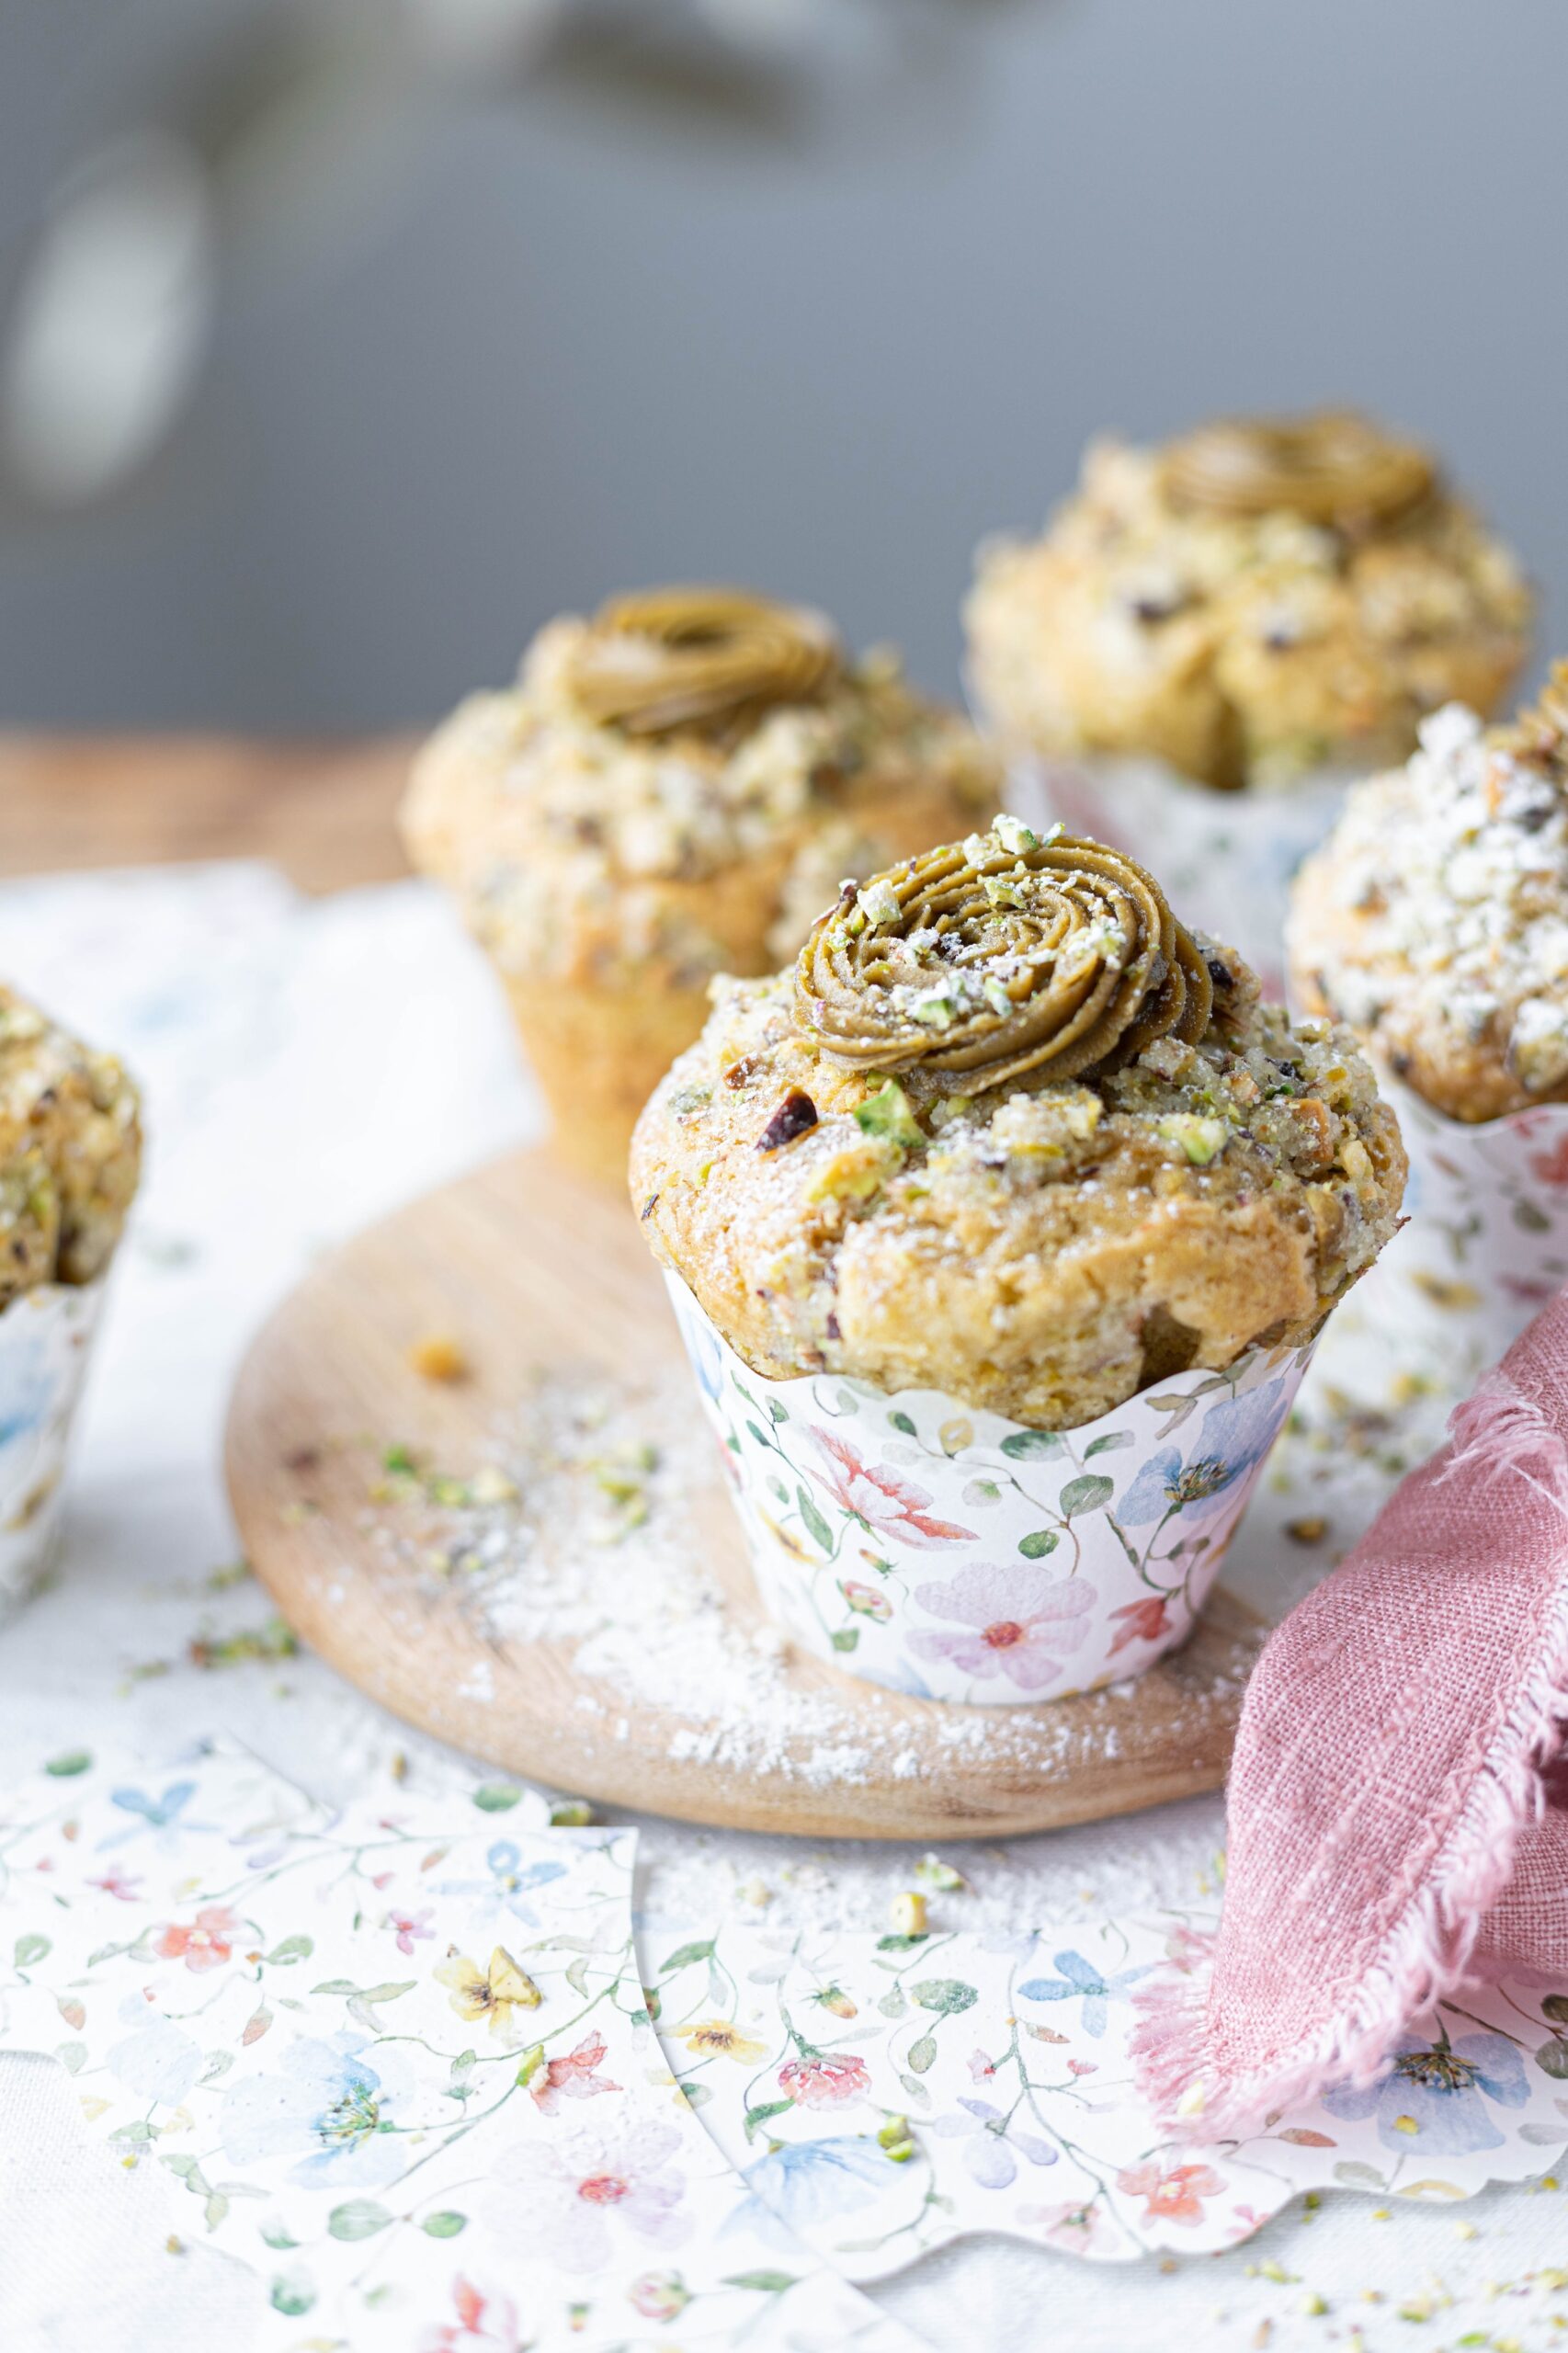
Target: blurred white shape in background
(291, 129)
(109, 326)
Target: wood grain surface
(322, 811)
(531, 1270)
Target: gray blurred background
(340, 346)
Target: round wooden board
(530, 1269)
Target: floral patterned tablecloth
(361, 1039)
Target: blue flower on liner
(162, 1815)
(509, 1888)
(514, 1878)
(989, 2140)
(1432, 2100)
(703, 1349)
(805, 2183)
(1081, 1980)
(27, 1392)
(1234, 1436)
(329, 2108)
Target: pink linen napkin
(1398, 1798)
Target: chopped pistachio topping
(879, 901)
(1202, 1140)
(1014, 835)
(888, 1113)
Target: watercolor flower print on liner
(1433, 2096)
(888, 1504)
(331, 2107)
(484, 2322)
(1007, 1623)
(1233, 1437)
(569, 2199)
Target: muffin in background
(674, 788)
(1250, 603)
(917, 1162)
(999, 1235)
(1435, 922)
(1215, 635)
(1434, 918)
(70, 1152)
(70, 1158)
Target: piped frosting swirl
(1334, 467)
(999, 956)
(712, 659)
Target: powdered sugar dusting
(595, 1525)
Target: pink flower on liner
(572, 2078)
(1175, 2197)
(1018, 1626)
(823, 2083)
(1081, 2229)
(206, 1943)
(407, 1926)
(1527, 1292)
(1143, 1621)
(659, 2295)
(569, 2198)
(1551, 1168)
(892, 1507)
(115, 1882)
(483, 2324)
(866, 1601)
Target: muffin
(672, 789)
(1214, 635)
(1009, 1131)
(1250, 603)
(70, 1153)
(1435, 922)
(1434, 918)
(999, 1232)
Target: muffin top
(70, 1152)
(1010, 1132)
(676, 785)
(1434, 918)
(1251, 602)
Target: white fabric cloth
(308, 1066)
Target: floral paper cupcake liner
(1226, 859)
(46, 1337)
(1486, 1242)
(954, 1554)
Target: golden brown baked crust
(1043, 1249)
(1250, 603)
(585, 851)
(70, 1152)
(1434, 918)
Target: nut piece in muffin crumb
(1434, 918)
(1254, 601)
(1044, 1246)
(70, 1152)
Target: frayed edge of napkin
(1427, 1953)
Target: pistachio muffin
(1255, 602)
(1434, 918)
(70, 1152)
(673, 790)
(1008, 1130)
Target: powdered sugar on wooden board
(578, 1529)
